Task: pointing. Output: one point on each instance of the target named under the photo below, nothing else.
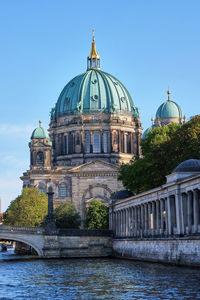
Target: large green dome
(94, 91)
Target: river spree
(22, 278)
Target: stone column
(149, 218)
(166, 215)
(117, 223)
(161, 216)
(179, 213)
(184, 205)
(158, 217)
(154, 216)
(126, 222)
(142, 220)
(139, 220)
(196, 210)
(168, 209)
(145, 219)
(189, 211)
(135, 221)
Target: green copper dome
(94, 91)
(39, 133)
(169, 109)
(146, 131)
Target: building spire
(93, 39)
(168, 93)
(93, 58)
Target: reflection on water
(22, 278)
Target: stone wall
(177, 251)
(77, 246)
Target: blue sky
(147, 44)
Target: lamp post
(50, 227)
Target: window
(62, 191)
(87, 142)
(66, 144)
(40, 159)
(96, 143)
(78, 141)
(105, 142)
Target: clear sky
(149, 45)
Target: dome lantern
(93, 60)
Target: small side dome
(123, 194)
(145, 132)
(169, 109)
(190, 165)
(40, 133)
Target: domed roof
(94, 91)
(146, 131)
(190, 165)
(40, 133)
(122, 195)
(169, 109)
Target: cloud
(15, 130)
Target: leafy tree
(66, 216)
(162, 149)
(28, 209)
(97, 215)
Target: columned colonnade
(158, 212)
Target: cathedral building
(94, 127)
(167, 113)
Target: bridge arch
(15, 238)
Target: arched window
(105, 142)
(67, 144)
(96, 143)
(62, 191)
(87, 142)
(40, 158)
(42, 187)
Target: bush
(66, 216)
(96, 215)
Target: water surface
(22, 278)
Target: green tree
(96, 215)
(28, 209)
(162, 149)
(66, 216)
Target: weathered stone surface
(176, 251)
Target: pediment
(97, 166)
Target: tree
(97, 215)
(162, 149)
(28, 209)
(66, 216)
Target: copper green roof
(169, 109)
(94, 91)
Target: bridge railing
(21, 228)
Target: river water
(27, 278)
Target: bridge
(62, 243)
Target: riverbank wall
(178, 251)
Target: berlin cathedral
(94, 127)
